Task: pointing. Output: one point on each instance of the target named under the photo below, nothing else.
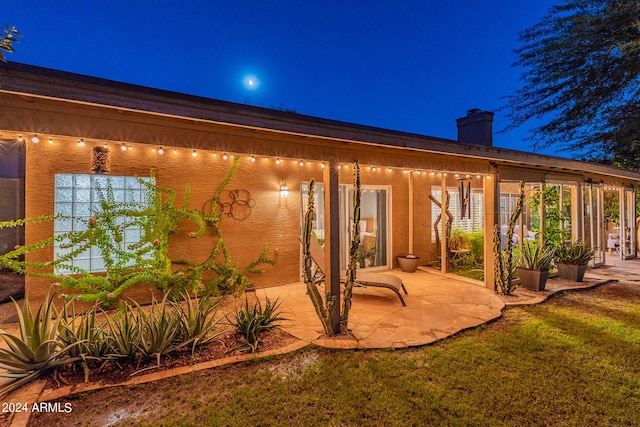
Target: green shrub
(574, 253)
(159, 330)
(535, 257)
(198, 320)
(38, 347)
(93, 343)
(123, 332)
(250, 322)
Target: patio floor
(437, 307)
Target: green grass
(574, 360)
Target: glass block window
(78, 197)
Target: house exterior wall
(273, 220)
(69, 107)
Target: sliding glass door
(375, 226)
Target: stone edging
(52, 394)
(541, 299)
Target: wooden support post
(332, 238)
(491, 191)
(410, 213)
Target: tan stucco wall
(273, 220)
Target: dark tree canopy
(582, 79)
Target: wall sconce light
(284, 191)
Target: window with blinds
(473, 221)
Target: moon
(251, 82)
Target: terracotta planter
(408, 263)
(535, 280)
(572, 272)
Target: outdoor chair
(362, 279)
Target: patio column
(577, 212)
(491, 190)
(444, 224)
(410, 213)
(332, 238)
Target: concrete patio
(437, 307)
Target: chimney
(475, 128)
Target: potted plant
(572, 260)
(535, 262)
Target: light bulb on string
(160, 150)
(195, 153)
(123, 147)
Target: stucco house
(58, 117)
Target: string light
(301, 162)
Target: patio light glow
(194, 154)
(160, 150)
(81, 143)
(224, 156)
(35, 139)
(123, 147)
(50, 140)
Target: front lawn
(574, 360)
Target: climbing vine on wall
(144, 261)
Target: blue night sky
(413, 66)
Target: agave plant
(160, 330)
(574, 253)
(535, 257)
(123, 332)
(38, 347)
(250, 322)
(198, 319)
(92, 339)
